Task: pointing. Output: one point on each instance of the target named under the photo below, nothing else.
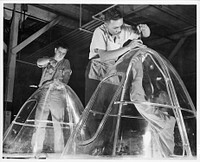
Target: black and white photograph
(99, 80)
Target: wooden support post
(5, 48)
(12, 56)
(14, 48)
(35, 35)
(177, 47)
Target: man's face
(114, 26)
(60, 53)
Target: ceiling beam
(69, 11)
(153, 14)
(41, 15)
(132, 9)
(35, 35)
(179, 16)
(175, 36)
(176, 48)
(184, 33)
(90, 8)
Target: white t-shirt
(103, 40)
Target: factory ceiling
(42, 25)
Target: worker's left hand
(144, 30)
(136, 43)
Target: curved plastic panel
(97, 115)
(44, 123)
(147, 114)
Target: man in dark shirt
(56, 73)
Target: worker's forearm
(114, 54)
(43, 62)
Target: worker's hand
(144, 30)
(136, 43)
(53, 62)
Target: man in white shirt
(107, 46)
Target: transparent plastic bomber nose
(44, 123)
(141, 109)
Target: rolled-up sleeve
(98, 42)
(66, 71)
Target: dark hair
(112, 14)
(135, 29)
(61, 44)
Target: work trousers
(52, 101)
(160, 123)
(90, 84)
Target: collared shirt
(61, 72)
(103, 40)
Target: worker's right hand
(53, 62)
(136, 43)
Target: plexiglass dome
(141, 109)
(22, 133)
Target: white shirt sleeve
(98, 42)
